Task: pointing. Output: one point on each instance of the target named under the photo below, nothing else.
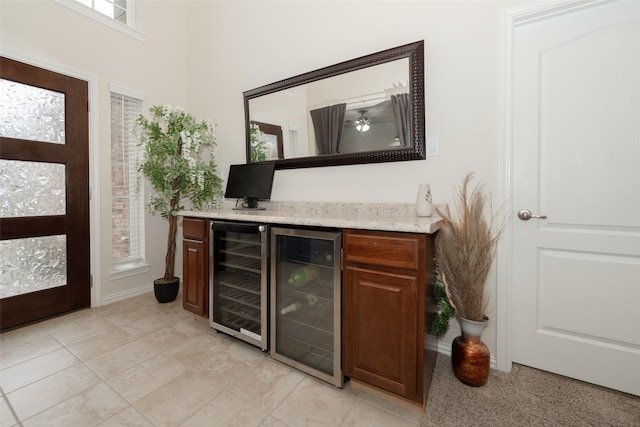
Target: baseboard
(129, 293)
(202, 319)
(386, 395)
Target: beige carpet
(525, 397)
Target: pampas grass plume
(465, 248)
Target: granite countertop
(366, 216)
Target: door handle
(526, 215)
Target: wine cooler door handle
(240, 228)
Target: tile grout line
(68, 398)
(131, 405)
(270, 414)
(358, 397)
(10, 406)
(100, 377)
(6, 397)
(105, 382)
(81, 362)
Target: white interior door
(576, 159)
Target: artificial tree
(179, 163)
(258, 144)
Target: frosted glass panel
(32, 264)
(28, 112)
(31, 189)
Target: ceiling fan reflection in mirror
(355, 85)
(362, 124)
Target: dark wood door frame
(74, 154)
(273, 130)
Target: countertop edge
(401, 223)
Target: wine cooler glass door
(239, 281)
(305, 301)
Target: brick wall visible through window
(127, 210)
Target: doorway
(572, 275)
(44, 218)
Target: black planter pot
(166, 292)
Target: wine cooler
(305, 301)
(238, 283)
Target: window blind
(293, 144)
(127, 193)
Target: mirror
(367, 110)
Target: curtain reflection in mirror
(402, 111)
(366, 85)
(327, 126)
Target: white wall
(47, 33)
(204, 54)
(237, 46)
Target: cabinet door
(195, 266)
(194, 283)
(381, 329)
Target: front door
(576, 160)
(44, 187)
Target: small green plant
(258, 144)
(178, 161)
(440, 322)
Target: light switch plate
(433, 146)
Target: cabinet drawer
(195, 228)
(399, 250)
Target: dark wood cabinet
(195, 266)
(387, 304)
(385, 279)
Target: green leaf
(166, 166)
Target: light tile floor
(140, 363)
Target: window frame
(123, 267)
(129, 28)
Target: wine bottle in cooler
(310, 300)
(302, 276)
(294, 306)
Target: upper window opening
(117, 14)
(115, 9)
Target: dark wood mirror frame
(415, 53)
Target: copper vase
(470, 357)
